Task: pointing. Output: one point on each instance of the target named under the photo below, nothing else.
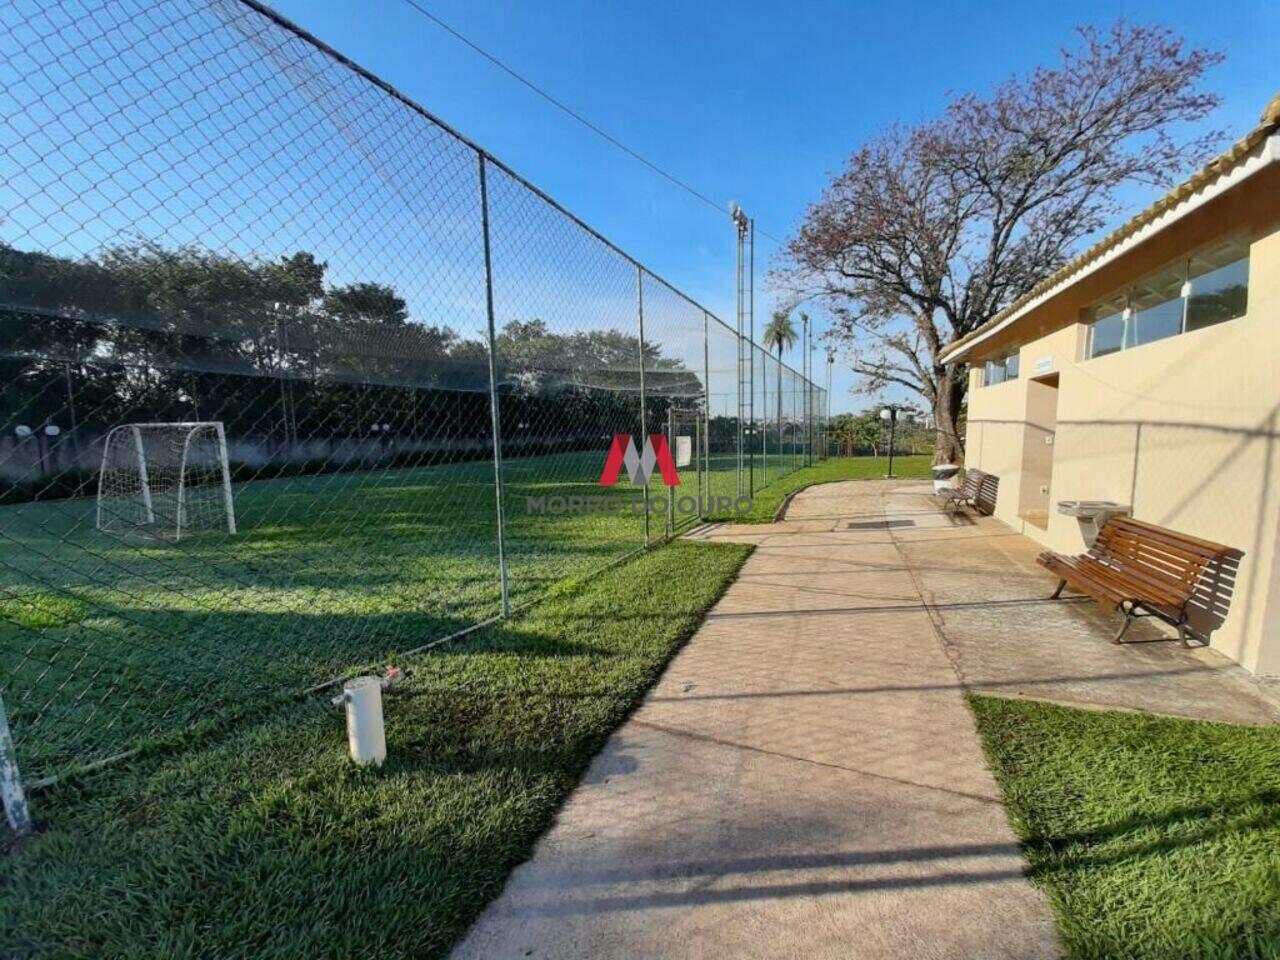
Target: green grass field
(263, 840)
(115, 641)
(1155, 838)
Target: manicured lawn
(766, 501)
(110, 642)
(267, 842)
(1155, 839)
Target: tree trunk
(948, 444)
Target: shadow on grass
(264, 840)
(1139, 836)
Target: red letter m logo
(639, 468)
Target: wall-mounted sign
(684, 451)
(1044, 365)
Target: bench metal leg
(1129, 617)
(1057, 593)
(1183, 634)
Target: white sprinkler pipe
(365, 733)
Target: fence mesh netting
(252, 377)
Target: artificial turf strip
(1155, 838)
(766, 501)
(269, 843)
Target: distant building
(1147, 372)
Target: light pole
(743, 224)
(890, 414)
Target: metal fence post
(11, 792)
(671, 491)
(751, 350)
(697, 460)
(644, 425)
(495, 416)
(804, 374)
(706, 412)
(764, 418)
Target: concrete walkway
(805, 780)
(988, 597)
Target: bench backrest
(972, 484)
(1169, 561)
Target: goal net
(164, 479)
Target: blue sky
(757, 102)
(274, 149)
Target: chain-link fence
(297, 379)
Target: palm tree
(780, 335)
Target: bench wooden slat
(1121, 583)
(1065, 568)
(1207, 548)
(1129, 581)
(1177, 561)
(1175, 579)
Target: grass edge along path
(766, 502)
(1155, 838)
(267, 842)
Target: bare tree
(930, 231)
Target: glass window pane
(1107, 333)
(995, 372)
(1157, 307)
(1011, 367)
(1217, 293)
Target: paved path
(805, 781)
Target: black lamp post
(890, 413)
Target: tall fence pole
(671, 491)
(644, 423)
(764, 418)
(11, 792)
(751, 349)
(804, 385)
(706, 411)
(697, 454)
(739, 310)
(494, 415)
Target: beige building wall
(1185, 430)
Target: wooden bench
(965, 495)
(1137, 566)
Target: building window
(1219, 287)
(1156, 307)
(1107, 333)
(1000, 370)
(1209, 288)
(1011, 366)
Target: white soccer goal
(163, 479)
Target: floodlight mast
(745, 293)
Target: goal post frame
(143, 478)
(191, 428)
